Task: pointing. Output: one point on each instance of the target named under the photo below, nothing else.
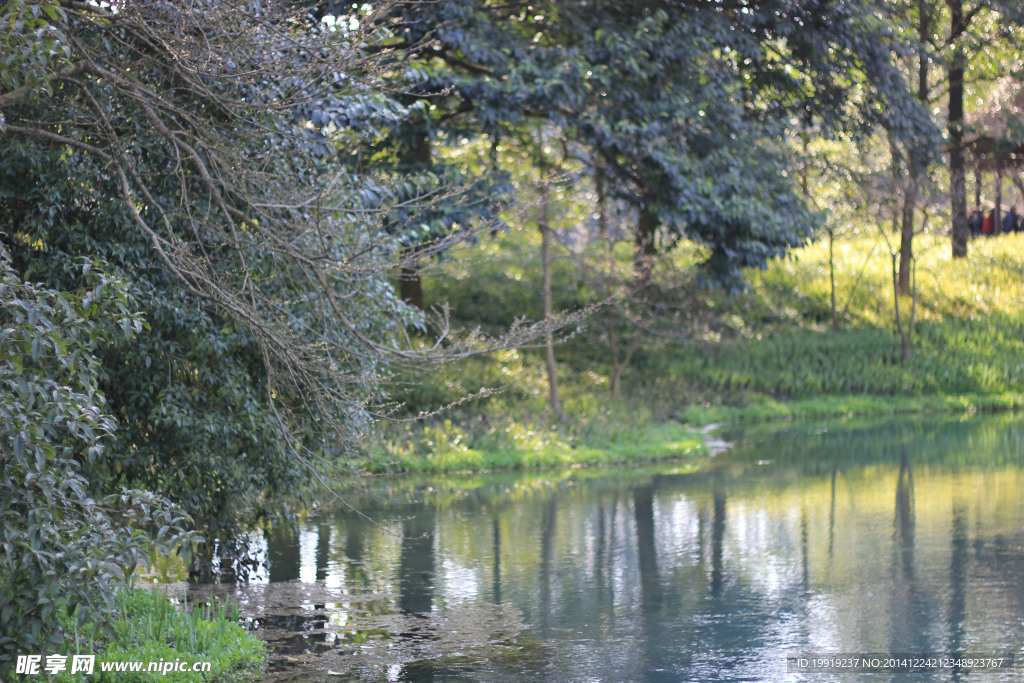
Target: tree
(223, 159)
(687, 104)
(917, 157)
(544, 226)
(451, 103)
(961, 43)
(722, 86)
(957, 172)
(197, 151)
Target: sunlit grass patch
(516, 446)
(969, 334)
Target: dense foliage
(684, 108)
(64, 551)
(200, 153)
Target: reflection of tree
(679, 614)
(904, 521)
(323, 553)
(913, 611)
(958, 582)
(496, 577)
(805, 559)
(600, 543)
(285, 559)
(283, 552)
(650, 587)
(832, 518)
(354, 543)
(354, 529)
(417, 565)
(323, 550)
(547, 553)
(717, 538)
(643, 514)
(605, 547)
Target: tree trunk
(907, 229)
(417, 156)
(619, 365)
(643, 256)
(599, 187)
(554, 401)
(977, 183)
(410, 285)
(997, 224)
(832, 276)
(955, 124)
(914, 165)
(897, 180)
(906, 332)
(613, 349)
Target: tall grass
(149, 628)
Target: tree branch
(60, 139)
(19, 94)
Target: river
(811, 540)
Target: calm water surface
(843, 537)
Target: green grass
(148, 628)
(969, 337)
(445, 447)
(772, 352)
(854, 405)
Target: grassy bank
(148, 628)
(473, 447)
(778, 338)
(778, 350)
(853, 405)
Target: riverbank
(859, 405)
(662, 441)
(779, 350)
(472, 447)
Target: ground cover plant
(149, 628)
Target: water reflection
(416, 566)
(283, 553)
(901, 536)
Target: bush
(63, 551)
